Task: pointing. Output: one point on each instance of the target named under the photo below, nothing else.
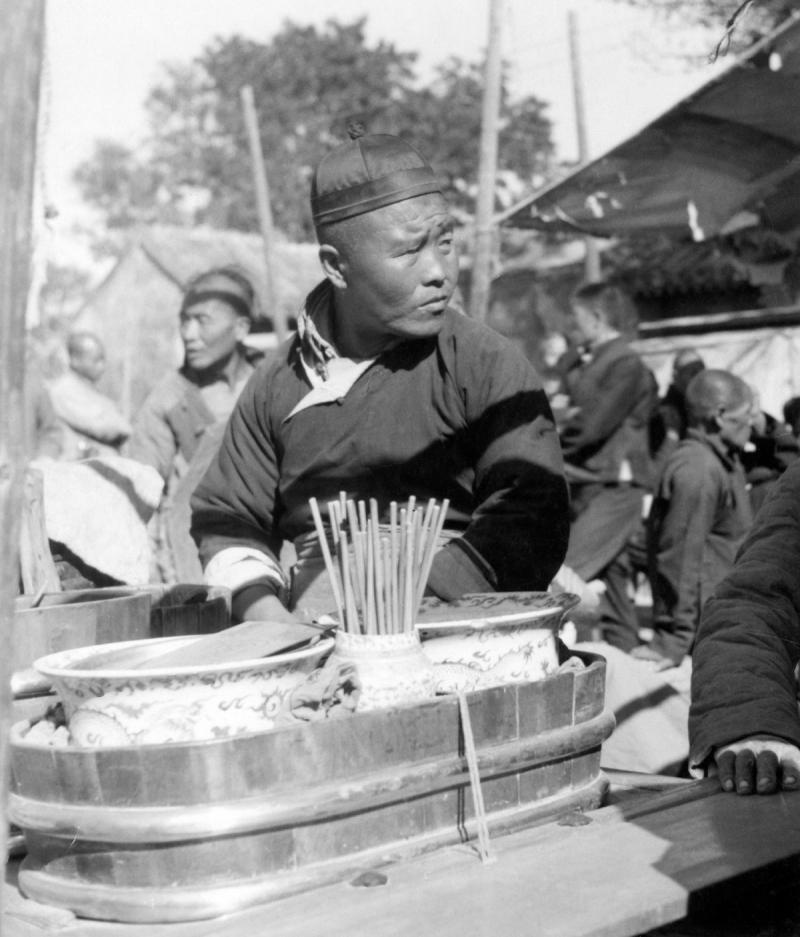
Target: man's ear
(333, 265)
(242, 328)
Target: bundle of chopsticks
(378, 572)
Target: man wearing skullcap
(181, 420)
(700, 512)
(385, 392)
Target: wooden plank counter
(649, 858)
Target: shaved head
(79, 343)
(711, 393)
(87, 355)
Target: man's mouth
(437, 304)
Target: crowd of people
(386, 392)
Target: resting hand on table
(758, 764)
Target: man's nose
(435, 270)
(189, 330)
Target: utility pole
(21, 52)
(592, 259)
(264, 210)
(487, 170)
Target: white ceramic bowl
(174, 704)
(493, 638)
(392, 668)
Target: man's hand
(758, 765)
(259, 603)
(588, 592)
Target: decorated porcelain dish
(174, 704)
(491, 609)
(491, 639)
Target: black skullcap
(236, 290)
(366, 173)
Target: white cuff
(237, 567)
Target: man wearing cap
(180, 422)
(385, 392)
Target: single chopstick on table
(484, 847)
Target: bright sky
(104, 55)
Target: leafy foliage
(308, 82)
(762, 15)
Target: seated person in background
(385, 392)
(93, 424)
(671, 420)
(699, 515)
(672, 406)
(770, 449)
(606, 448)
(743, 722)
(179, 425)
(791, 415)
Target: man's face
(584, 324)
(734, 425)
(401, 268)
(91, 362)
(210, 331)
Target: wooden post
(21, 45)
(264, 209)
(482, 259)
(592, 260)
(38, 571)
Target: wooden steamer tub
(81, 617)
(194, 830)
(64, 620)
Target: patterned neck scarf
(316, 351)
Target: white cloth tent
(767, 358)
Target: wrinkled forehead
(411, 215)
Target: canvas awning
(725, 157)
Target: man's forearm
(259, 602)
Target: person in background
(180, 423)
(770, 449)
(743, 721)
(700, 513)
(673, 405)
(791, 415)
(385, 392)
(671, 420)
(93, 424)
(606, 448)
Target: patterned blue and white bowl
(173, 704)
(490, 639)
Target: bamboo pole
(21, 50)
(487, 169)
(592, 259)
(264, 210)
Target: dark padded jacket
(461, 416)
(698, 520)
(748, 643)
(616, 395)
